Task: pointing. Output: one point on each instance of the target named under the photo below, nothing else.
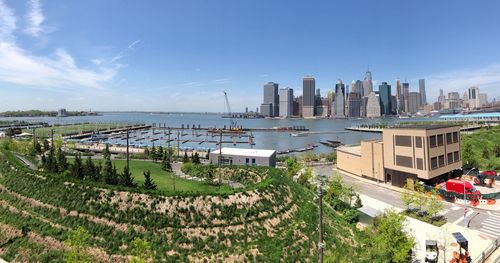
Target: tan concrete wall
(426, 153)
(349, 162)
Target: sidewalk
(495, 207)
(423, 231)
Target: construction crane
(233, 126)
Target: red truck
(457, 186)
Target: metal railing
(487, 252)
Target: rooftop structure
(240, 156)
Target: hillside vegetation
(482, 148)
(274, 220)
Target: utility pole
(128, 158)
(169, 156)
(178, 154)
(34, 137)
(321, 244)
(52, 138)
(220, 154)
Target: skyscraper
(385, 98)
(421, 89)
(270, 97)
(373, 106)
(414, 102)
(354, 102)
(358, 88)
(474, 101)
(339, 103)
(286, 102)
(406, 96)
(309, 98)
(367, 83)
(399, 97)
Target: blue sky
(180, 55)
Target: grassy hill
(273, 220)
(479, 148)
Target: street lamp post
(320, 184)
(465, 201)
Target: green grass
(61, 130)
(163, 179)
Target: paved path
(26, 162)
(176, 168)
(486, 223)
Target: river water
(329, 129)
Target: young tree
(185, 159)
(62, 163)
(434, 205)
(305, 176)
(126, 177)
(38, 147)
(51, 161)
(419, 195)
(195, 158)
(77, 168)
(141, 251)
(46, 146)
(390, 241)
(90, 170)
(159, 153)
(152, 153)
(148, 182)
(292, 166)
(165, 163)
(408, 196)
(468, 155)
(78, 242)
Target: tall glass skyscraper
(339, 103)
(309, 97)
(367, 83)
(421, 90)
(385, 98)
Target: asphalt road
(487, 222)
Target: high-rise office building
(354, 102)
(399, 97)
(357, 86)
(483, 99)
(385, 98)
(406, 96)
(373, 106)
(474, 101)
(309, 98)
(270, 97)
(414, 102)
(339, 103)
(453, 95)
(421, 90)
(364, 103)
(394, 105)
(286, 102)
(367, 83)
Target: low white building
(239, 156)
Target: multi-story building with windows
(427, 153)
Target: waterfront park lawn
(74, 128)
(163, 179)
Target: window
(403, 140)
(404, 161)
(440, 140)
(441, 160)
(247, 161)
(456, 156)
(449, 139)
(450, 158)
(455, 137)
(253, 161)
(432, 141)
(418, 142)
(420, 163)
(434, 163)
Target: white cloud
(18, 66)
(7, 21)
(35, 19)
(58, 71)
(486, 78)
(131, 46)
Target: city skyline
(53, 57)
